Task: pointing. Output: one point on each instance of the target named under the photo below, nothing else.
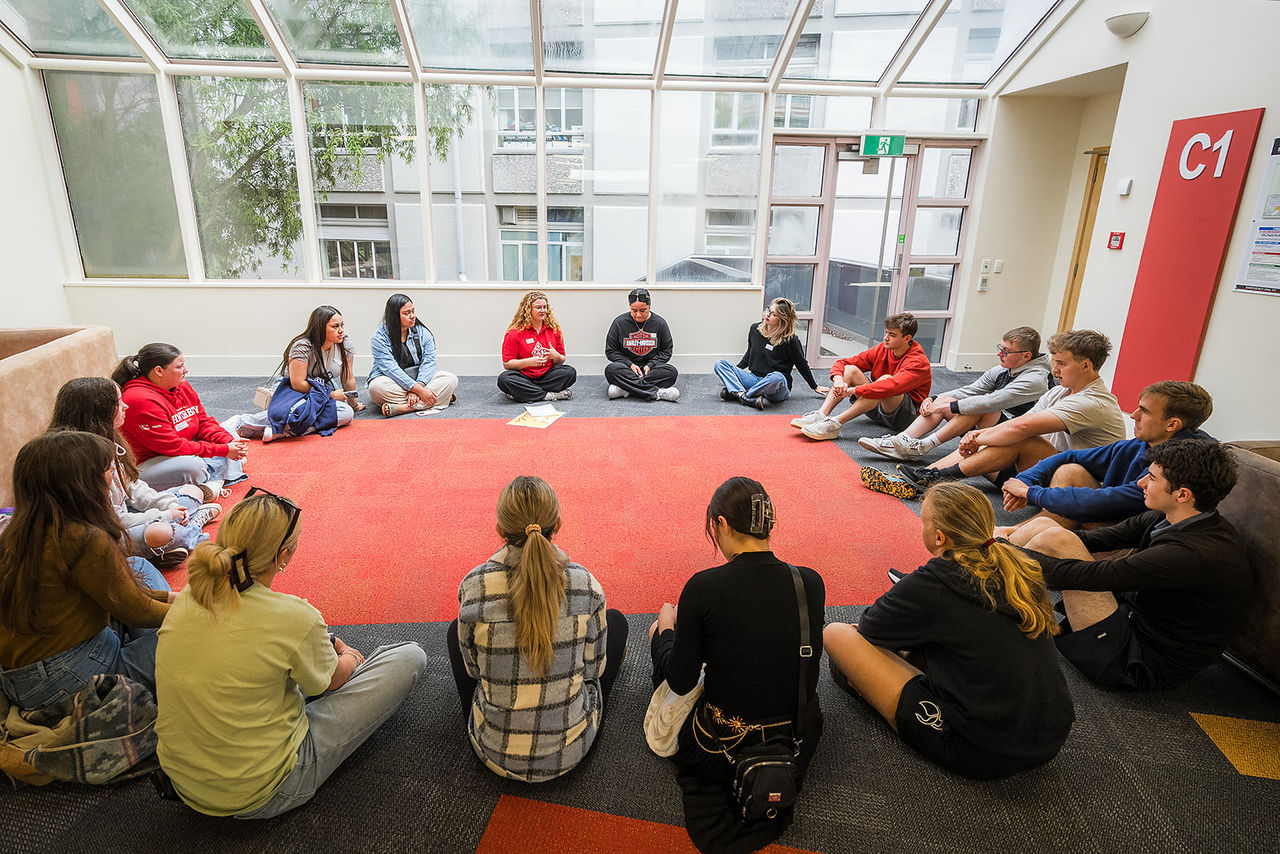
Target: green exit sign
(878, 145)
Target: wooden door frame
(1084, 233)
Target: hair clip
(761, 513)
(240, 580)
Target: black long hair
(391, 322)
(57, 481)
(150, 357)
(316, 334)
(744, 505)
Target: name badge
(528, 340)
(768, 346)
(179, 427)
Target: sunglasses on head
(292, 509)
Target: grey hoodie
(1026, 385)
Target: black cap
(639, 295)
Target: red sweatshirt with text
(909, 375)
(170, 423)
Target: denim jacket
(384, 361)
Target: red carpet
(396, 512)
(518, 824)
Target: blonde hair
(528, 515)
(523, 318)
(964, 514)
(254, 526)
(785, 310)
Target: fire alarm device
(1116, 240)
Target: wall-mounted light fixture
(1127, 24)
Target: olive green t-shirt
(231, 690)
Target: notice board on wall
(1191, 221)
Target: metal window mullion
(407, 41)
(422, 150)
(665, 29)
(59, 195)
(13, 48)
(911, 45)
(763, 191)
(188, 225)
(655, 187)
(540, 141)
(789, 41)
(274, 37)
(313, 264)
(134, 32)
(356, 75)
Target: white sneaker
(616, 392)
(204, 515)
(827, 428)
(567, 394)
(908, 448)
(885, 446)
(671, 394)
(807, 419)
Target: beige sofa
(1254, 508)
(34, 363)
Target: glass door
(854, 239)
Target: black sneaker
(896, 575)
(921, 478)
(729, 396)
(754, 402)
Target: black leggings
(615, 650)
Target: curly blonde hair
(524, 312)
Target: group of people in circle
(128, 475)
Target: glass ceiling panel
(192, 29)
(612, 37)
(65, 26)
(972, 40)
(852, 39)
(341, 32)
(478, 34)
(732, 38)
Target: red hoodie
(170, 423)
(909, 375)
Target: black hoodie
(997, 688)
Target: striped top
(523, 725)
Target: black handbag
(766, 776)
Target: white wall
(1189, 60)
(31, 283)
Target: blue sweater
(1117, 468)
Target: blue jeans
(187, 536)
(116, 649)
(773, 387)
(339, 721)
(168, 472)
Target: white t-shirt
(1092, 416)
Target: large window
(517, 117)
(564, 245)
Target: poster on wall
(1260, 267)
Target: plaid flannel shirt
(525, 726)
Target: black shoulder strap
(806, 652)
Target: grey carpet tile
(1136, 775)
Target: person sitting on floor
(739, 624)
(1005, 391)
(886, 383)
(638, 347)
(174, 439)
(162, 526)
(533, 354)
(72, 605)
(1161, 612)
(763, 374)
(1100, 485)
(534, 650)
(236, 662)
(958, 656)
(1077, 413)
(404, 376)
